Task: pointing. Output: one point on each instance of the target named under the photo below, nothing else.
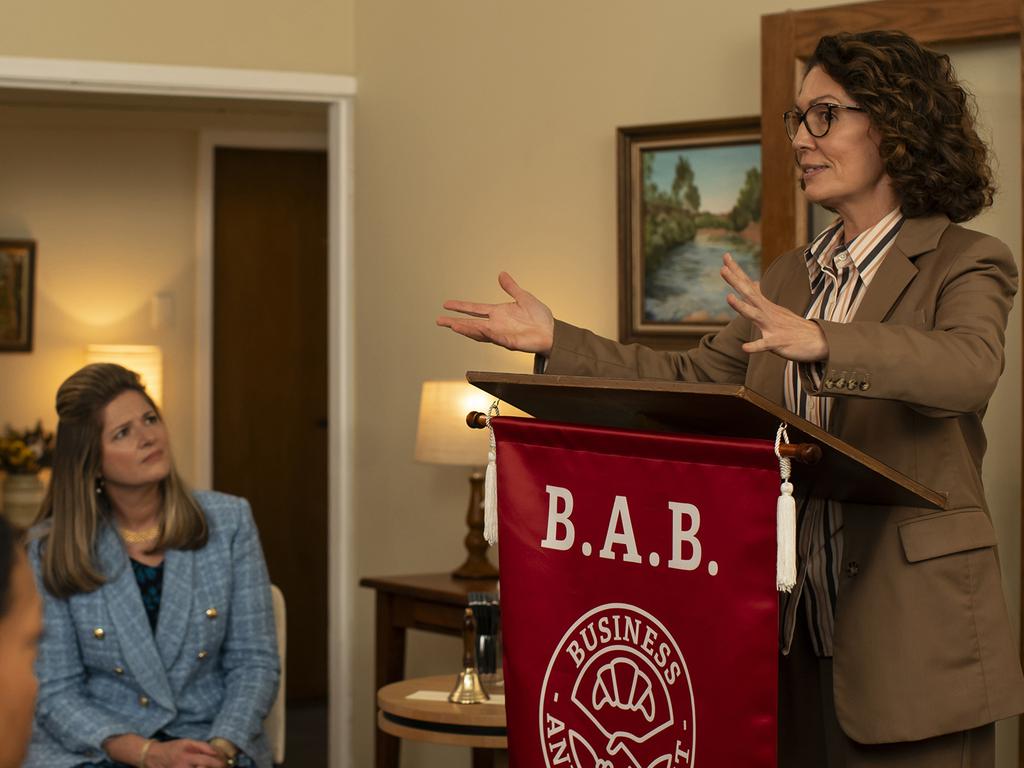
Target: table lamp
(442, 437)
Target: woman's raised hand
(524, 324)
(783, 332)
(184, 753)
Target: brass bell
(467, 688)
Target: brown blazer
(923, 644)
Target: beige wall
(485, 141)
(109, 194)
(311, 35)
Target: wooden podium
(718, 466)
(721, 410)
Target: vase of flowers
(23, 454)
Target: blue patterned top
(151, 581)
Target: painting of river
(688, 193)
(698, 203)
(686, 286)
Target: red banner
(638, 598)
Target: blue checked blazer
(202, 673)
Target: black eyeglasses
(817, 119)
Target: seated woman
(21, 623)
(160, 648)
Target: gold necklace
(139, 537)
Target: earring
(99, 486)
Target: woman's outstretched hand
(524, 324)
(785, 333)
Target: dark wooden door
(270, 377)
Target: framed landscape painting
(17, 284)
(688, 193)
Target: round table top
(418, 708)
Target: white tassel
(785, 522)
(491, 482)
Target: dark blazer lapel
(128, 615)
(175, 604)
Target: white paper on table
(496, 698)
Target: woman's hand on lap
(184, 753)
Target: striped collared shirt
(840, 274)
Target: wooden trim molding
(788, 38)
(172, 80)
(778, 175)
(937, 21)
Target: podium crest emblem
(617, 694)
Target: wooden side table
(419, 709)
(433, 602)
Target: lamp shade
(146, 360)
(442, 436)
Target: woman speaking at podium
(888, 331)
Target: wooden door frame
(209, 141)
(789, 38)
(336, 93)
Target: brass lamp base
(477, 566)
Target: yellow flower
(26, 451)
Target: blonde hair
(74, 509)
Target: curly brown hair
(926, 120)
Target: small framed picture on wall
(17, 294)
(688, 193)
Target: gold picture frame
(17, 294)
(687, 193)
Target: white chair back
(273, 725)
